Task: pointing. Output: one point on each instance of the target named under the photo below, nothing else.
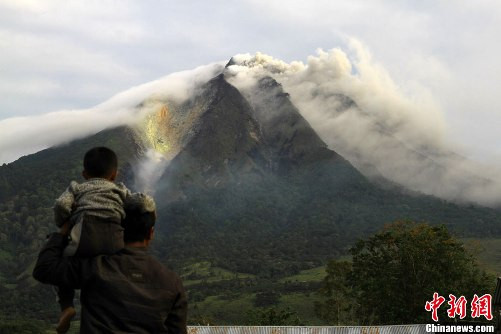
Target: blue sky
(64, 55)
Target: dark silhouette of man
(127, 292)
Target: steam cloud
(359, 112)
(25, 135)
(149, 171)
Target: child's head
(100, 162)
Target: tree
(396, 271)
(338, 304)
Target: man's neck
(138, 244)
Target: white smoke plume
(25, 135)
(383, 132)
(149, 171)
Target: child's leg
(65, 296)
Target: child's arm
(142, 200)
(145, 202)
(63, 206)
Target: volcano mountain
(246, 185)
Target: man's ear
(85, 174)
(113, 175)
(151, 232)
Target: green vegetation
(204, 272)
(256, 241)
(238, 298)
(238, 307)
(308, 275)
(273, 317)
(303, 303)
(396, 271)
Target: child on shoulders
(94, 210)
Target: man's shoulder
(157, 268)
(162, 267)
(135, 262)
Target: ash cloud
(25, 135)
(360, 112)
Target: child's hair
(100, 162)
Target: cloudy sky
(65, 55)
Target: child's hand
(65, 228)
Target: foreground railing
(395, 329)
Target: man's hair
(100, 162)
(139, 219)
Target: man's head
(100, 162)
(140, 216)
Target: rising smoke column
(359, 112)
